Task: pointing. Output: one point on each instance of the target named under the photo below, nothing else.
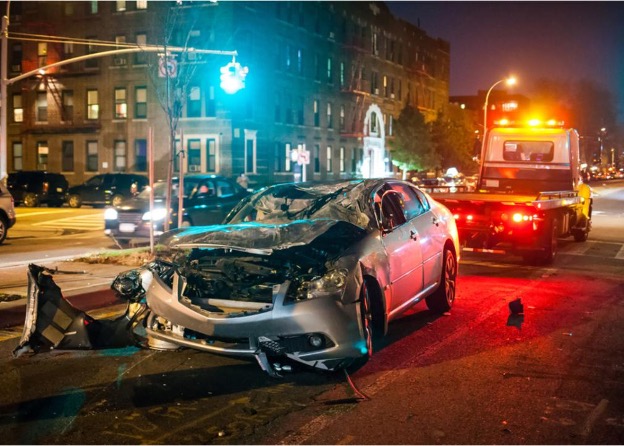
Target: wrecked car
(306, 272)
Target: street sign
(167, 66)
(304, 157)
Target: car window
(412, 205)
(389, 204)
(95, 181)
(224, 189)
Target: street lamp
(509, 81)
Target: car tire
(547, 255)
(74, 201)
(4, 227)
(580, 235)
(30, 200)
(441, 300)
(116, 200)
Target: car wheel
(30, 200)
(547, 255)
(74, 201)
(116, 200)
(580, 235)
(443, 297)
(3, 229)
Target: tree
(453, 138)
(412, 147)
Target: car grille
(129, 217)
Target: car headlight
(110, 214)
(330, 283)
(156, 215)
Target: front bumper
(279, 330)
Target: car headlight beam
(156, 215)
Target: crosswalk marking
(84, 222)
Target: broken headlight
(329, 284)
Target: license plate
(127, 227)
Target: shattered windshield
(344, 201)
(160, 189)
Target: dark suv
(34, 187)
(7, 211)
(106, 189)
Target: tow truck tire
(546, 255)
(580, 235)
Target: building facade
(325, 82)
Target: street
(479, 375)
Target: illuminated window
(18, 109)
(329, 158)
(18, 156)
(193, 104)
(42, 53)
(140, 58)
(342, 159)
(330, 119)
(119, 163)
(317, 114)
(211, 155)
(120, 5)
(329, 71)
(93, 7)
(141, 4)
(342, 117)
(140, 102)
(121, 103)
(509, 106)
(93, 106)
(42, 155)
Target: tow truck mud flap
(54, 323)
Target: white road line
(620, 254)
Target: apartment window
(329, 70)
(18, 156)
(317, 114)
(121, 103)
(140, 102)
(18, 108)
(374, 82)
(67, 112)
(375, 44)
(329, 158)
(300, 110)
(193, 152)
(92, 156)
(342, 74)
(342, 117)
(93, 107)
(42, 53)
(250, 150)
(121, 157)
(67, 156)
(141, 4)
(278, 157)
(140, 58)
(68, 49)
(68, 8)
(42, 106)
(353, 161)
(211, 105)
(42, 155)
(330, 119)
(317, 67)
(140, 155)
(290, 157)
(287, 61)
(299, 61)
(120, 5)
(193, 104)
(16, 57)
(342, 159)
(211, 155)
(93, 7)
(385, 86)
(91, 48)
(317, 158)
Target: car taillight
(45, 186)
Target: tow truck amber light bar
(534, 122)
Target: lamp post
(509, 81)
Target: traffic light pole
(4, 82)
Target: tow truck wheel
(580, 235)
(547, 255)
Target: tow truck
(529, 193)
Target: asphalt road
(480, 375)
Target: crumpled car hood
(253, 236)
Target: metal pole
(181, 180)
(3, 98)
(150, 160)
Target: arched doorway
(373, 160)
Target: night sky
(556, 40)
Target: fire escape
(357, 89)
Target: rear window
(531, 151)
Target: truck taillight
(467, 218)
(518, 217)
(45, 186)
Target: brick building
(325, 78)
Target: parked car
(34, 187)
(7, 211)
(207, 200)
(303, 271)
(106, 189)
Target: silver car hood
(253, 237)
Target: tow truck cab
(530, 161)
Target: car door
(426, 225)
(92, 189)
(203, 204)
(403, 250)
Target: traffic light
(233, 77)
